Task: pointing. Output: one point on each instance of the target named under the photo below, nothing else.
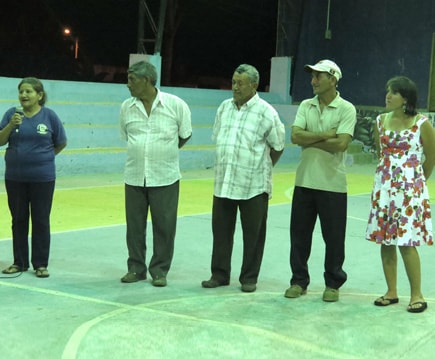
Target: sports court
(84, 311)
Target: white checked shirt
(243, 167)
(152, 141)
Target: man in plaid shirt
(249, 138)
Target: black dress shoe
(249, 287)
(159, 282)
(213, 283)
(132, 277)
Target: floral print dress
(400, 211)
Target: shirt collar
(159, 99)
(251, 101)
(315, 101)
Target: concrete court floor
(83, 311)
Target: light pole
(67, 32)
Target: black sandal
(42, 272)
(421, 307)
(12, 269)
(383, 302)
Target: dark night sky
(214, 37)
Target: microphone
(20, 111)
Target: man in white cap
(323, 127)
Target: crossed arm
(327, 140)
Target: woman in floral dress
(400, 214)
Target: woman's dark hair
(37, 86)
(407, 89)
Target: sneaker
(213, 283)
(159, 282)
(330, 295)
(132, 277)
(249, 287)
(295, 291)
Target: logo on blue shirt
(42, 129)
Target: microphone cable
(20, 110)
(11, 276)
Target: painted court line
(71, 348)
(107, 226)
(182, 216)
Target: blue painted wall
(372, 41)
(90, 113)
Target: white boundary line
(288, 194)
(71, 348)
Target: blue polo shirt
(30, 153)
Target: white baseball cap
(325, 66)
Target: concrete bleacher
(90, 113)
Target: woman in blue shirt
(35, 135)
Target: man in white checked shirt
(155, 125)
(249, 140)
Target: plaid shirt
(243, 167)
(152, 141)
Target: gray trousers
(162, 202)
